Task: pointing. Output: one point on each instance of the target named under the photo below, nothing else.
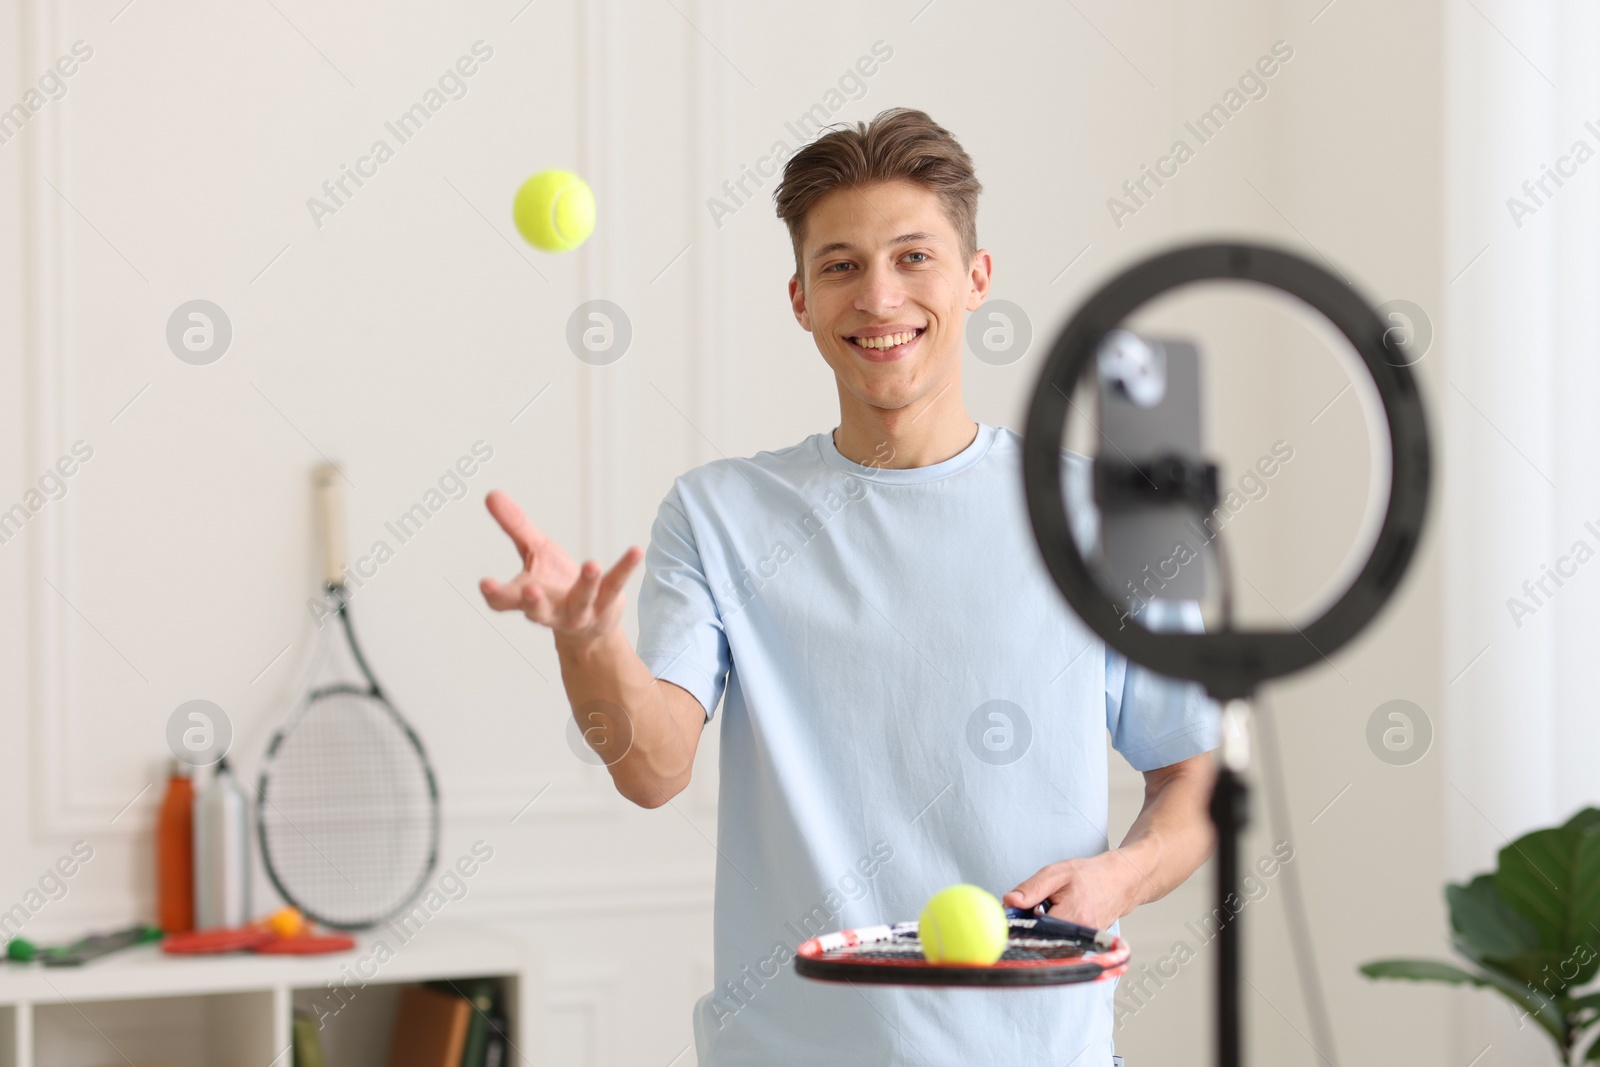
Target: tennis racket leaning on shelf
(1040, 951)
(347, 808)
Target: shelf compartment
(217, 1030)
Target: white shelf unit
(142, 1006)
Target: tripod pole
(1229, 812)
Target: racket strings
(906, 945)
(348, 810)
(909, 948)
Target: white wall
(1523, 329)
(413, 323)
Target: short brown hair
(900, 144)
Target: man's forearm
(627, 718)
(1173, 834)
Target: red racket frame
(812, 961)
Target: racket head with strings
(1039, 951)
(347, 808)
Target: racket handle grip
(1063, 928)
(330, 524)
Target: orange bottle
(175, 853)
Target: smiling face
(886, 291)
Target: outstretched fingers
(507, 597)
(529, 538)
(616, 578)
(530, 541)
(536, 606)
(519, 594)
(592, 595)
(581, 598)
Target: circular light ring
(1229, 664)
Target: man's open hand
(578, 603)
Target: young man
(909, 702)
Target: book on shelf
(497, 1051)
(307, 1042)
(430, 1028)
(450, 1023)
(481, 995)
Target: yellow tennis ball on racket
(963, 924)
(554, 210)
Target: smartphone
(1149, 406)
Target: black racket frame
(340, 597)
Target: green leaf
(1480, 915)
(1542, 1008)
(1535, 878)
(1588, 1000)
(1584, 922)
(1422, 971)
(1582, 1031)
(1552, 878)
(1581, 1015)
(1535, 999)
(1540, 968)
(1533, 973)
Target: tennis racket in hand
(347, 808)
(1039, 951)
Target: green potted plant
(1531, 930)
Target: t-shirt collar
(907, 475)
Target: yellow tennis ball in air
(963, 924)
(554, 210)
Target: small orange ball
(287, 922)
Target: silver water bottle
(221, 853)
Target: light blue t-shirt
(909, 703)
